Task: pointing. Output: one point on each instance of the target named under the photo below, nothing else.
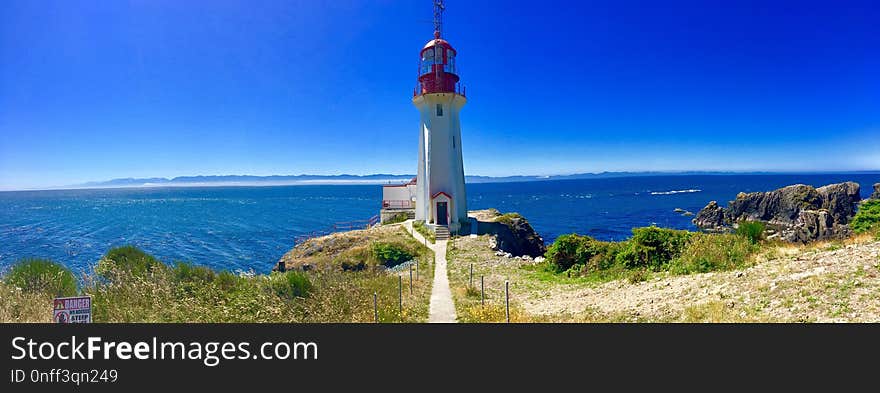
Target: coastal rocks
(711, 217)
(776, 207)
(510, 233)
(811, 225)
(876, 194)
(841, 200)
(682, 212)
(798, 213)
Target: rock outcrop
(798, 213)
(876, 194)
(510, 233)
(710, 217)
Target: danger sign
(73, 310)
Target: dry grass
(829, 281)
(163, 295)
(20, 306)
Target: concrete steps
(441, 233)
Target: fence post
(376, 307)
(410, 280)
(482, 301)
(400, 295)
(418, 261)
(472, 276)
(507, 299)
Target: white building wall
(441, 167)
(398, 193)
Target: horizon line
(102, 184)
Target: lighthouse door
(442, 218)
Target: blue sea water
(250, 228)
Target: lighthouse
(440, 199)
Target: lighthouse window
(439, 110)
(427, 60)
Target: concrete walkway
(442, 309)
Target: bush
(637, 276)
(185, 272)
(508, 218)
(571, 250)
(42, 276)
(752, 230)
(420, 227)
(227, 281)
(563, 253)
(652, 247)
(396, 219)
(129, 260)
(709, 252)
(291, 285)
(390, 254)
(867, 217)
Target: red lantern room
(437, 72)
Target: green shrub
(573, 249)
(867, 217)
(184, 272)
(390, 254)
(129, 260)
(563, 253)
(227, 281)
(291, 285)
(42, 276)
(707, 252)
(638, 275)
(421, 228)
(652, 247)
(577, 255)
(353, 266)
(507, 218)
(396, 219)
(752, 230)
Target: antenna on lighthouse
(438, 16)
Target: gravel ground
(818, 283)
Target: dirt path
(441, 309)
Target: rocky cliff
(876, 194)
(510, 232)
(796, 213)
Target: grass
(867, 218)
(132, 286)
(714, 252)
(420, 227)
(396, 219)
(652, 249)
(545, 292)
(752, 230)
(41, 275)
(508, 218)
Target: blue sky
(100, 90)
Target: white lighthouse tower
(440, 189)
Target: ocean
(250, 228)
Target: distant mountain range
(249, 180)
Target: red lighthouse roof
(437, 72)
(437, 41)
